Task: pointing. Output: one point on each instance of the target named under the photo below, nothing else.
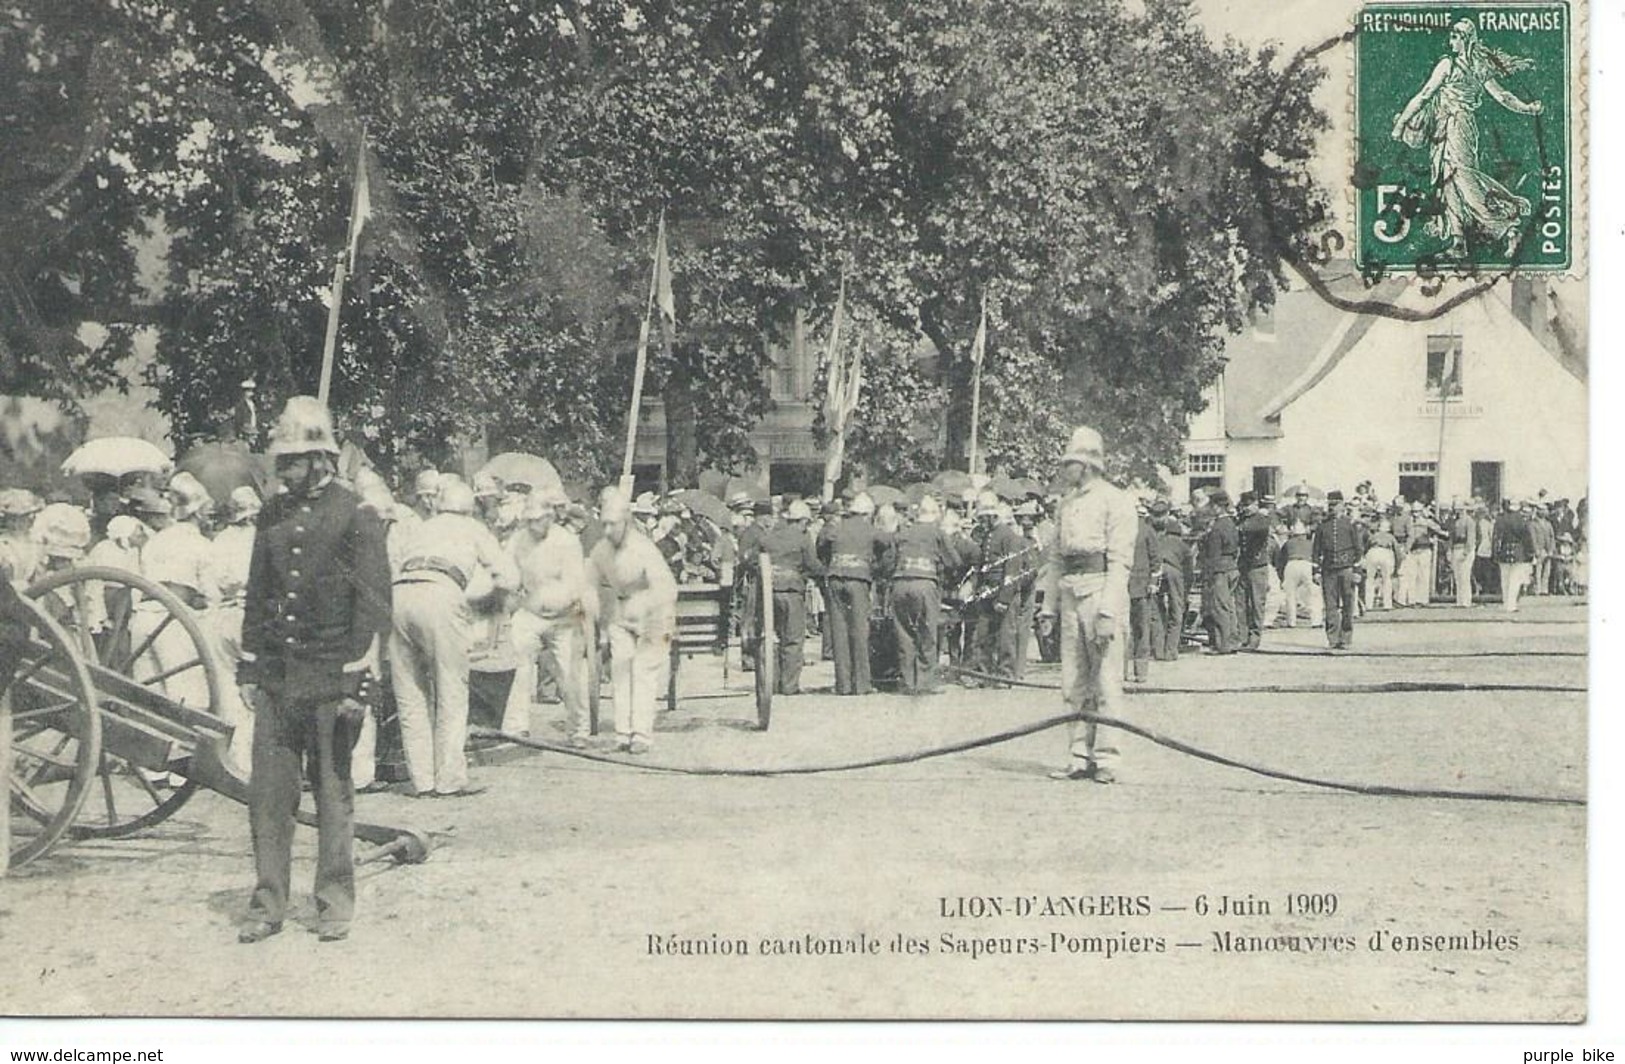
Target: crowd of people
(337, 602)
(506, 579)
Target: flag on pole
(835, 381)
(361, 202)
(854, 385)
(664, 300)
(978, 346)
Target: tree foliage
(1090, 165)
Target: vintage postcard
(1052, 509)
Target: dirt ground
(561, 890)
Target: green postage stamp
(1464, 115)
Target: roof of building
(1305, 337)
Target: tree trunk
(957, 378)
(682, 434)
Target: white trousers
(560, 643)
(1091, 670)
(428, 663)
(1379, 573)
(1419, 573)
(638, 662)
(1461, 566)
(1300, 589)
(1514, 575)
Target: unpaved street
(567, 887)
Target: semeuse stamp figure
(1472, 168)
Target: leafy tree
(1085, 163)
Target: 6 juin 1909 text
(1240, 904)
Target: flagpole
(341, 269)
(643, 359)
(978, 354)
(835, 396)
(330, 343)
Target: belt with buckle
(436, 565)
(1083, 562)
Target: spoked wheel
(55, 740)
(126, 624)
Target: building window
(1418, 481)
(1206, 471)
(1266, 480)
(1444, 367)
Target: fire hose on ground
(1034, 727)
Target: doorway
(1487, 481)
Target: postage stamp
(1463, 116)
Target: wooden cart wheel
(139, 629)
(767, 651)
(55, 740)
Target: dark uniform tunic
(1340, 544)
(317, 598)
(790, 552)
(1145, 569)
(1254, 562)
(851, 551)
(1172, 558)
(925, 555)
(1219, 551)
(998, 596)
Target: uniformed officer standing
(1026, 522)
(1085, 581)
(1253, 561)
(790, 553)
(1004, 563)
(1170, 557)
(1221, 548)
(1339, 548)
(850, 551)
(317, 600)
(1144, 570)
(924, 555)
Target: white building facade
(1488, 399)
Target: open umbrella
(952, 481)
(704, 504)
(1028, 486)
(885, 495)
(116, 456)
(225, 467)
(517, 467)
(1006, 488)
(915, 492)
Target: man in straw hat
(640, 618)
(317, 602)
(1085, 581)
